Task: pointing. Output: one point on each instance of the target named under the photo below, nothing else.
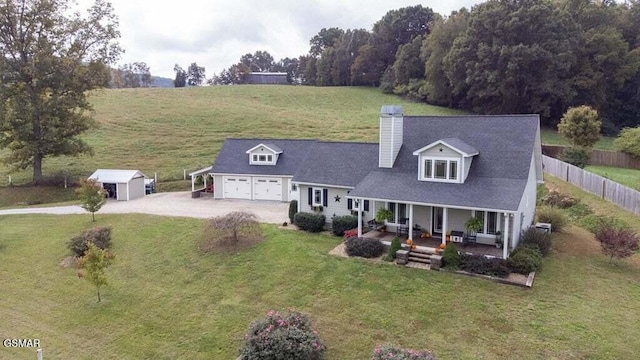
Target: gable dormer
(264, 154)
(445, 160)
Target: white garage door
(237, 187)
(267, 188)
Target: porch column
(193, 184)
(445, 215)
(360, 201)
(505, 236)
(410, 224)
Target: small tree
(580, 126)
(94, 262)
(628, 141)
(617, 242)
(293, 209)
(230, 231)
(91, 195)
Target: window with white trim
(440, 169)
(490, 222)
(399, 211)
(262, 159)
(317, 197)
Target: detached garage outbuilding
(121, 185)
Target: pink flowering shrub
(387, 352)
(282, 336)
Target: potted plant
(383, 215)
(498, 240)
(473, 225)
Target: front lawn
(168, 301)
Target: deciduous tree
(181, 76)
(195, 75)
(92, 196)
(617, 242)
(50, 60)
(94, 262)
(580, 126)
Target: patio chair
(374, 225)
(403, 227)
(469, 238)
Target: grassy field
(168, 301)
(627, 177)
(168, 130)
(16, 196)
(551, 137)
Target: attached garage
(123, 185)
(237, 187)
(267, 188)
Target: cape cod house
(432, 172)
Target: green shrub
(578, 211)
(479, 264)
(100, 236)
(389, 352)
(293, 209)
(525, 259)
(575, 156)
(393, 249)
(340, 224)
(363, 247)
(559, 200)
(628, 141)
(593, 223)
(309, 221)
(450, 257)
(555, 217)
(282, 336)
(537, 238)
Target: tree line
(501, 56)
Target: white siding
(446, 152)
(333, 207)
(457, 218)
(136, 188)
(121, 188)
(397, 136)
(527, 205)
(422, 216)
(218, 192)
(467, 166)
(386, 147)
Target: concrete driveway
(174, 204)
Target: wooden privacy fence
(599, 157)
(620, 195)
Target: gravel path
(174, 204)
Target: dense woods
(501, 56)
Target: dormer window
(264, 154)
(446, 160)
(440, 169)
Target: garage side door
(267, 188)
(237, 187)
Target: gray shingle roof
(498, 173)
(460, 145)
(338, 163)
(232, 158)
(273, 147)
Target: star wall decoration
(337, 198)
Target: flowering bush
(387, 352)
(282, 336)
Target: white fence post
(39, 354)
(184, 174)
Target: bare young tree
(235, 230)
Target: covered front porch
(434, 242)
(431, 225)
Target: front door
(437, 220)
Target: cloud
(216, 33)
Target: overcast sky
(215, 33)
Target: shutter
(366, 205)
(325, 195)
(310, 196)
(349, 204)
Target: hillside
(168, 130)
